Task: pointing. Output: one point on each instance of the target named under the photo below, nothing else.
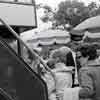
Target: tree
(72, 13)
(48, 14)
(92, 9)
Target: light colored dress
(71, 93)
(63, 78)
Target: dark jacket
(89, 80)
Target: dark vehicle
(17, 80)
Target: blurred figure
(34, 61)
(70, 61)
(67, 53)
(50, 80)
(89, 73)
(62, 73)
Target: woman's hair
(58, 56)
(70, 59)
(88, 50)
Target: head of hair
(58, 56)
(88, 50)
(70, 59)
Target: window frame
(16, 2)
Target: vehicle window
(17, 78)
(26, 55)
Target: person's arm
(86, 82)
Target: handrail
(30, 49)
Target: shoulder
(84, 69)
(61, 67)
(88, 68)
(88, 71)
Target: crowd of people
(72, 75)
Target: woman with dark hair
(89, 73)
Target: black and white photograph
(49, 49)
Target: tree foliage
(71, 13)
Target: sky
(54, 3)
